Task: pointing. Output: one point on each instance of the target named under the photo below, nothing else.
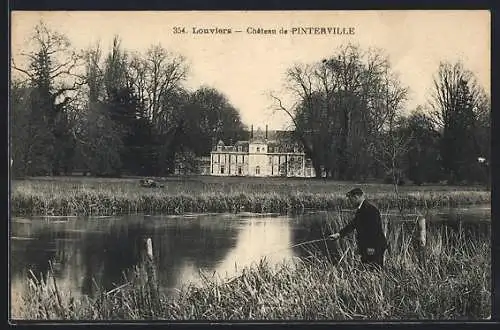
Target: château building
(270, 154)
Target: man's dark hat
(354, 192)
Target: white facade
(258, 157)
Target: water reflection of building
(273, 153)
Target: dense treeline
(110, 113)
(350, 113)
(118, 112)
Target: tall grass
(451, 282)
(111, 197)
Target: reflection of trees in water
(115, 247)
(47, 247)
(202, 246)
(34, 254)
(106, 256)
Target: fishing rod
(312, 241)
(300, 244)
(230, 279)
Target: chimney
(251, 133)
(266, 132)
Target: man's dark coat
(369, 232)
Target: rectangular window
(222, 170)
(239, 170)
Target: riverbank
(453, 283)
(93, 196)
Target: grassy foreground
(93, 196)
(453, 282)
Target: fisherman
(370, 237)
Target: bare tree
(390, 150)
(390, 143)
(138, 75)
(49, 71)
(340, 103)
(51, 64)
(448, 85)
(155, 75)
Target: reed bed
(71, 196)
(451, 281)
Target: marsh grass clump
(131, 300)
(93, 197)
(453, 281)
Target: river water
(84, 251)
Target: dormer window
(220, 145)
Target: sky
(247, 67)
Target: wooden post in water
(149, 248)
(421, 239)
(385, 224)
(151, 272)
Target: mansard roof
(274, 138)
(258, 140)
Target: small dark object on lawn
(150, 183)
